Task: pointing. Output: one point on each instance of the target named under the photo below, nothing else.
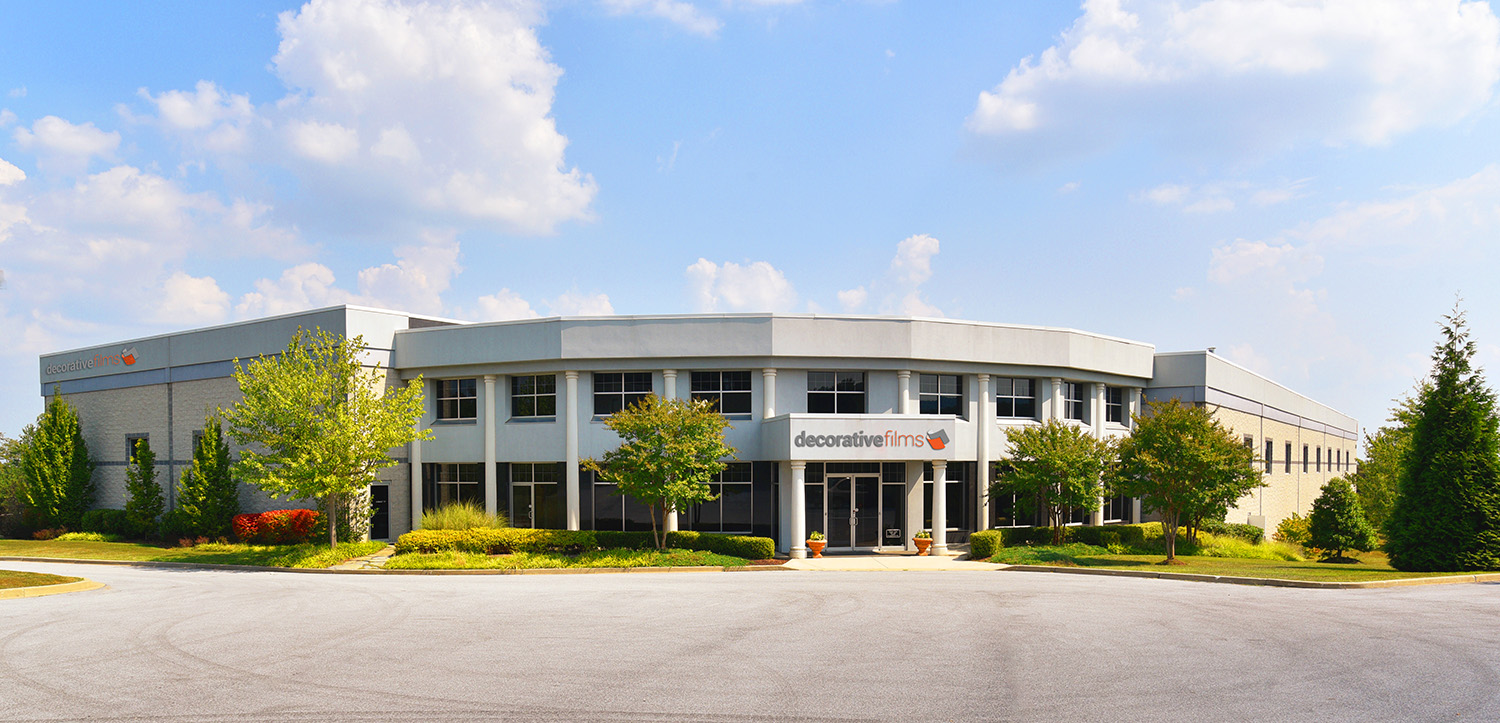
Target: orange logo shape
(128, 356)
(937, 440)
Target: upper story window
(533, 395)
(730, 391)
(1270, 450)
(1287, 463)
(1073, 401)
(1306, 457)
(614, 391)
(940, 394)
(1015, 398)
(1114, 404)
(1319, 460)
(457, 399)
(836, 392)
(133, 444)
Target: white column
(768, 393)
(939, 507)
(903, 391)
(491, 489)
(415, 459)
(669, 391)
(570, 465)
(1057, 399)
(986, 424)
(799, 510)
(1135, 408)
(1096, 416)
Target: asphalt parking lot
(779, 645)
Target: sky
(1307, 187)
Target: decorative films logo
(126, 357)
(938, 439)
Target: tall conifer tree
(59, 476)
(1447, 516)
(144, 505)
(209, 496)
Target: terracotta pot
(817, 547)
(923, 543)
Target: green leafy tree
(208, 497)
(1183, 463)
(1060, 465)
(315, 422)
(144, 505)
(1447, 515)
(58, 474)
(1337, 523)
(670, 450)
(12, 486)
(1378, 477)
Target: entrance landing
(888, 562)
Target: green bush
(746, 546)
(1293, 529)
(985, 543)
(88, 537)
(493, 541)
(461, 516)
(106, 522)
(1211, 545)
(1248, 533)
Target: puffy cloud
(417, 280)
(304, 286)
(851, 300)
(1283, 262)
(1245, 76)
(504, 305)
(323, 142)
(190, 301)
(1220, 197)
(756, 286)
(63, 147)
(574, 303)
(215, 120)
(684, 15)
(910, 268)
(9, 174)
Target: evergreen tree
(59, 476)
(208, 495)
(1447, 516)
(144, 507)
(1337, 523)
(1379, 475)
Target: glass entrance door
(853, 511)
(535, 505)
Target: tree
(144, 504)
(208, 497)
(1378, 477)
(1447, 515)
(1058, 464)
(12, 485)
(1184, 464)
(1337, 523)
(59, 476)
(670, 450)
(316, 423)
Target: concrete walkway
(368, 562)
(888, 562)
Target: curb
(1261, 581)
(382, 571)
(45, 590)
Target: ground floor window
(448, 484)
(958, 501)
(732, 509)
(1117, 509)
(536, 495)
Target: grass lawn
(225, 554)
(13, 578)
(539, 560)
(1372, 565)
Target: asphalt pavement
(178, 645)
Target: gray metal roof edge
(1251, 372)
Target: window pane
(523, 385)
(520, 472)
(851, 381)
(851, 404)
(448, 388)
(705, 381)
(1004, 386)
(1023, 388)
(523, 407)
(467, 408)
(606, 404)
(820, 381)
(466, 387)
(736, 507)
(608, 382)
(736, 381)
(549, 472)
(633, 398)
(928, 405)
(546, 384)
(546, 406)
(1005, 407)
(708, 512)
(547, 507)
(929, 384)
(949, 404)
(609, 511)
(948, 384)
(735, 403)
(820, 402)
(638, 382)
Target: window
(731, 510)
(455, 483)
(1073, 401)
(1305, 458)
(1288, 461)
(1248, 441)
(730, 391)
(940, 394)
(1270, 450)
(836, 392)
(533, 395)
(132, 443)
(1114, 404)
(1015, 398)
(1319, 462)
(535, 497)
(614, 391)
(457, 399)
(1116, 509)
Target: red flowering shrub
(276, 527)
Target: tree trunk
(1169, 531)
(333, 522)
(656, 536)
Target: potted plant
(923, 540)
(816, 542)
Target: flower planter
(817, 547)
(923, 544)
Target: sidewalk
(368, 562)
(889, 562)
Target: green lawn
(533, 560)
(224, 554)
(1372, 566)
(13, 578)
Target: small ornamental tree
(315, 422)
(59, 476)
(1060, 465)
(144, 504)
(1447, 515)
(670, 449)
(1337, 523)
(1378, 477)
(208, 497)
(1183, 463)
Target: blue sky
(1304, 186)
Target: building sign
(126, 357)
(858, 437)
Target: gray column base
(799, 553)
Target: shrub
(1230, 546)
(106, 522)
(87, 537)
(750, 548)
(496, 541)
(208, 497)
(461, 516)
(1337, 523)
(1293, 529)
(276, 527)
(144, 507)
(985, 543)
(1248, 533)
(49, 534)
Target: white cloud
(1245, 76)
(6, 117)
(323, 142)
(756, 286)
(64, 147)
(684, 15)
(213, 119)
(9, 174)
(17, 92)
(187, 301)
(1068, 187)
(417, 280)
(1219, 197)
(912, 265)
(503, 305)
(852, 300)
(574, 303)
(1167, 194)
(304, 286)
(910, 268)
(1216, 204)
(1282, 262)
